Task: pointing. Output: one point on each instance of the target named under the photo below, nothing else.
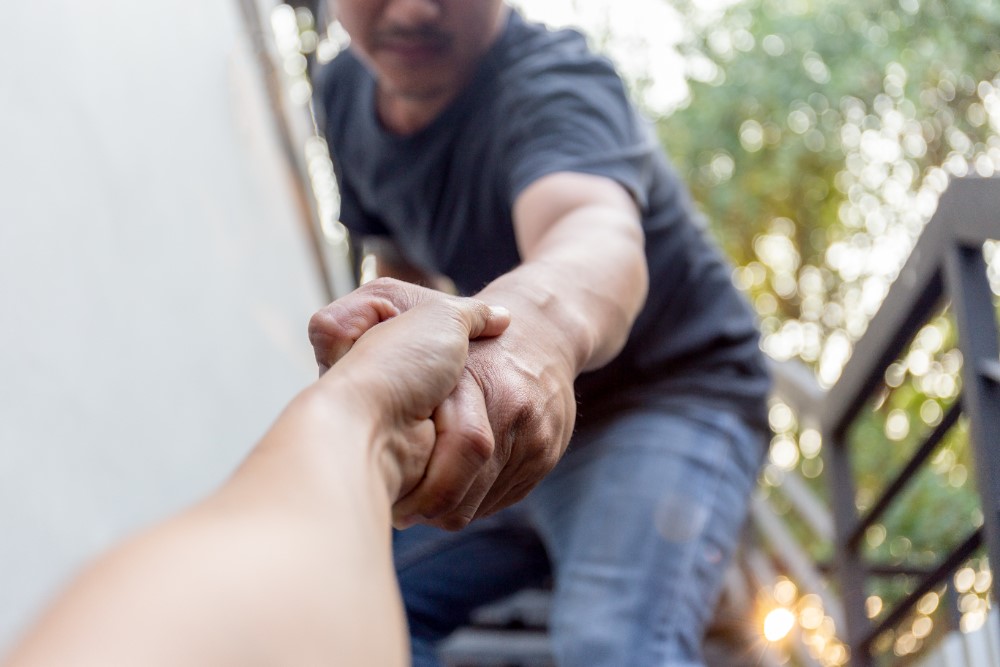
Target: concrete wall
(155, 282)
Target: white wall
(155, 282)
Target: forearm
(277, 567)
(581, 285)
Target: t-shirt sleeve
(578, 119)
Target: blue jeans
(635, 525)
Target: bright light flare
(778, 623)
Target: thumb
(482, 319)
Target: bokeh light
(778, 623)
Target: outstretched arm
(582, 283)
(580, 286)
(289, 563)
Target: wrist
(546, 320)
(339, 437)
(371, 444)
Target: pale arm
(289, 563)
(256, 574)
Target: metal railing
(947, 267)
(947, 264)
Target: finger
(469, 507)
(515, 481)
(463, 450)
(412, 460)
(334, 329)
(494, 502)
(482, 319)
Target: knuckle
(385, 288)
(336, 327)
(453, 522)
(325, 334)
(327, 324)
(546, 461)
(480, 308)
(549, 433)
(318, 325)
(530, 422)
(380, 284)
(477, 443)
(440, 499)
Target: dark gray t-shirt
(541, 103)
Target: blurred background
(168, 221)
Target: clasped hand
(499, 431)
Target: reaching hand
(403, 367)
(499, 432)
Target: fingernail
(406, 522)
(499, 311)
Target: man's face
(421, 49)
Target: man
(289, 562)
(471, 144)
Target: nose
(410, 13)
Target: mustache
(427, 34)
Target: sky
(640, 36)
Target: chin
(419, 92)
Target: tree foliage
(817, 138)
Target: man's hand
(499, 432)
(580, 285)
(401, 370)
